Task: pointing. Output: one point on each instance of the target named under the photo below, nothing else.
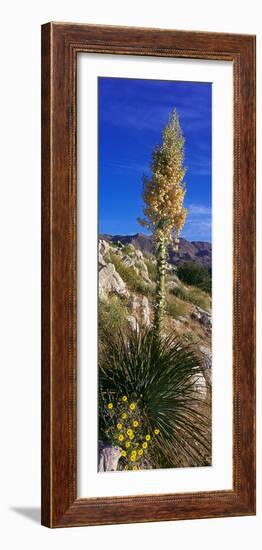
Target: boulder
(103, 250)
(111, 282)
(183, 319)
(136, 262)
(145, 312)
(140, 312)
(143, 271)
(207, 356)
(174, 283)
(139, 254)
(108, 458)
(202, 316)
(128, 261)
(207, 363)
(176, 323)
(200, 385)
(133, 323)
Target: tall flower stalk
(163, 195)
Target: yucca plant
(162, 380)
(164, 213)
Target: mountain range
(189, 251)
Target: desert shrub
(195, 275)
(193, 295)
(199, 298)
(128, 249)
(115, 245)
(112, 315)
(174, 307)
(129, 275)
(180, 292)
(150, 404)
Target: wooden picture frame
(61, 43)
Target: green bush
(149, 399)
(112, 315)
(180, 293)
(133, 280)
(115, 245)
(199, 298)
(128, 249)
(193, 295)
(195, 275)
(174, 307)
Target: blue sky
(132, 114)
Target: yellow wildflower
(124, 416)
(133, 458)
(110, 405)
(119, 426)
(120, 437)
(126, 467)
(134, 468)
(124, 398)
(123, 453)
(129, 431)
(128, 444)
(140, 452)
(133, 453)
(131, 436)
(148, 437)
(144, 445)
(135, 423)
(136, 444)
(156, 431)
(132, 406)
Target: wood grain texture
(60, 44)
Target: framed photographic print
(148, 275)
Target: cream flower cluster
(164, 193)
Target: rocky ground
(126, 297)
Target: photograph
(154, 274)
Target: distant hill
(195, 251)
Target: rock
(108, 458)
(202, 316)
(139, 254)
(200, 385)
(208, 376)
(207, 356)
(136, 262)
(145, 276)
(183, 319)
(128, 261)
(176, 323)
(172, 269)
(133, 323)
(145, 312)
(117, 251)
(103, 250)
(140, 312)
(174, 283)
(207, 363)
(111, 282)
(143, 271)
